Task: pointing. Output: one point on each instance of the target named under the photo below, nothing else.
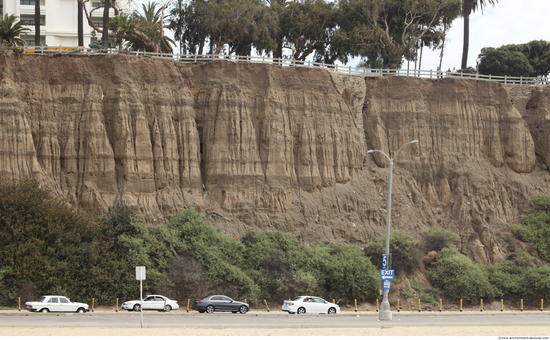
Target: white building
(58, 20)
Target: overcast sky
(508, 22)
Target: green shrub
(406, 294)
(415, 285)
(459, 278)
(535, 227)
(48, 247)
(437, 239)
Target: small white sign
(140, 273)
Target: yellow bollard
(461, 305)
(333, 301)
(116, 309)
(541, 305)
(398, 306)
(244, 300)
(266, 305)
(188, 305)
(355, 305)
(501, 305)
(440, 305)
(19, 303)
(377, 305)
(92, 304)
(481, 305)
(522, 305)
(419, 305)
(164, 309)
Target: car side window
(149, 298)
(225, 298)
(63, 300)
(216, 297)
(53, 300)
(159, 298)
(317, 300)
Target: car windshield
(43, 299)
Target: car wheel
(243, 309)
(44, 310)
(210, 309)
(168, 308)
(301, 310)
(81, 310)
(332, 310)
(137, 308)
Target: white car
(153, 302)
(310, 304)
(56, 303)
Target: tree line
(375, 30)
(380, 32)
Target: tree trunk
(420, 60)
(37, 22)
(105, 35)
(467, 9)
(278, 53)
(80, 24)
(442, 45)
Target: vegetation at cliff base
(49, 247)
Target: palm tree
(151, 24)
(469, 6)
(11, 29)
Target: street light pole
(385, 312)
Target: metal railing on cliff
(193, 58)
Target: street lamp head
(370, 151)
(415, 141)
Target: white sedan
(151, 302)
(310, 304)
(56, 303)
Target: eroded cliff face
(278, 148)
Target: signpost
(384, 261)
(140, 275)
(387, 274)
(387, 284)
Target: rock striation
(267, 147)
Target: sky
(508, 22)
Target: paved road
(272, 320)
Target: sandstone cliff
(278, 148)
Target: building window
(96, 4)
(30, 42)
(27, 2)
(28, 22)
(98, 24)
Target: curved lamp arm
(382, 152)
(413, 141)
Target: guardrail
(194, 58)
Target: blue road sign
(387, 284)
(387, 274)
(384, 261)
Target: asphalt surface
(270, 320)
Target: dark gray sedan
(219, 303)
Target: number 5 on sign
(384, 261)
